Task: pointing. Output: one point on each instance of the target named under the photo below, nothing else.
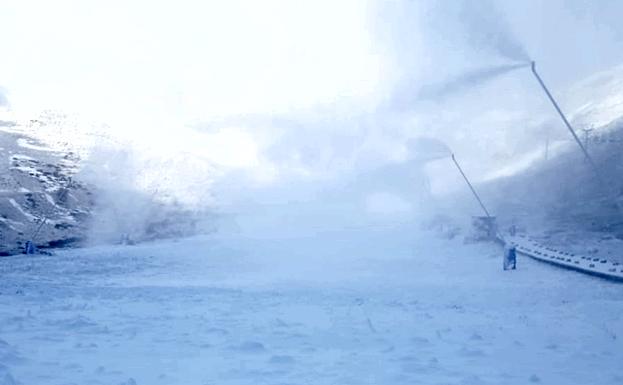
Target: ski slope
(375, 305)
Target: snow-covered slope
(38, 190)
(365, 306)
(561, 199)
(598, 100)
(87, 187)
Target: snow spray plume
(488, 31)
(425, 149)
(467, 80)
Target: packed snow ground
(376, 305)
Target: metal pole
(567, 124)
(586, 131)
(38, 228)
(470, 186)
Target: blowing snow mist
(488, 30)
(466, 81)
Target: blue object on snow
(510, 258)
(30, 248)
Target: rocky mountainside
(46, 197)
(39, 196)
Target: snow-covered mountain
(559, 195)
(58, 190)
(40, 197)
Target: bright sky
(149, 68)
(189, 59)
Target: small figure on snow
(510, 258)
(30, 248)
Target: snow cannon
(565, 121)
(469, 184)
(30, 248)
(484, 228)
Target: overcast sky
(307, 86)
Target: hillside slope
(358, 306)
(560, 197)
(38, 185)
(78, 180)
